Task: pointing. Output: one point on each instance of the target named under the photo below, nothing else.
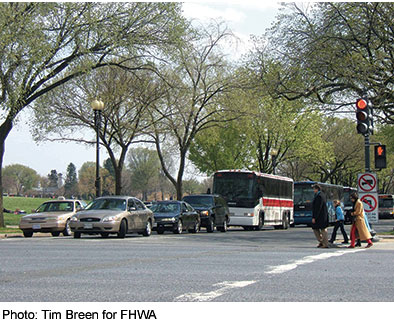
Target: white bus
(256, 199)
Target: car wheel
(196, 228)
(67, 229)
(77, 234)
(211, 226)
(122, 229)
(148, 229)
(27, 233)
(179, 228)
(160, 231)
(55, 233)
(105, 235)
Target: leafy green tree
(44, 45)
(19, 178)
(71, 182)
(330, 52)
(221, 148)
(266, 124)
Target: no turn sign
(370, 202)
(367, 183)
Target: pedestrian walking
(320, 217)
(359, 228)
(339, 223)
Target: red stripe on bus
(277, 202)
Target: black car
(213, 211)
(175, 216)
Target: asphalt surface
(265, 266)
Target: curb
(20, 235)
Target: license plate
(36, 226)
(88, 226)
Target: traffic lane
(159, 268)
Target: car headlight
(169, 219)
(74, 219)
(205, 213)
(109, 219)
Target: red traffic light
(361, 104)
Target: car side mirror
(132, 208)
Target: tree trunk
(5, 129)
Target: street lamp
(97, 107)
(274, 154)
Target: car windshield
(199, 201)
(56, 207)
(108, 204)
(166, 207)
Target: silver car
(51, 217)
(113, 215)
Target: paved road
(270, 265)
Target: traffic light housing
(364, 119)
(380, 157)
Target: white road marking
(307, 260)
(224, 287)
(208, 296)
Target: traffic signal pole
(367, 154)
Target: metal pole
(367, 156)
(97, 119)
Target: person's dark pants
(339, 224)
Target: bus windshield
(303, 194)
(386, 202)
(239, 188)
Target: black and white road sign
(370, 202)
(367, 183)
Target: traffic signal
(364, 120)
(380, 157)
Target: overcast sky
(243, 17)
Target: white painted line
(224, 287)
(208, 296)
(307, 260)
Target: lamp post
(97, 107)
(274, 154)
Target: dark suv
(213, 211)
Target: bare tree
(126, 95)
(198, 77)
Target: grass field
(22, 203)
